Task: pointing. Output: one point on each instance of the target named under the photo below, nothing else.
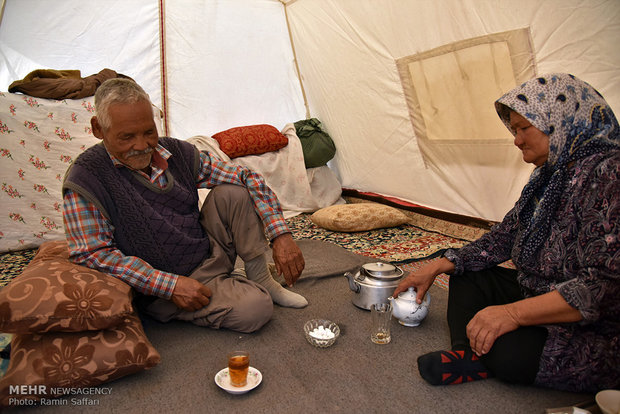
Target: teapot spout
(391, 300)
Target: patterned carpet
(400, 244)
(12, 264)
(406, 246)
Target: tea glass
(381, 314)
(238, 366)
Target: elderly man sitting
(131, 210)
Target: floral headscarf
(579, 123)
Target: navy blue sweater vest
(161, 226)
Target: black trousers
(515, 356)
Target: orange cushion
(250, 140)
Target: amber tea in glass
(238, 365)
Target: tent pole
(2, 10)
(162, 66)
(301, 83)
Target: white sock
(257, 270)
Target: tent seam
(301, 83)
(162, 66)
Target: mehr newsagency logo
(34, 395)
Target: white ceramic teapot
(407, 310)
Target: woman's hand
(423, 278)
(488, 325)
(493, 321)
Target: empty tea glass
(381, 314)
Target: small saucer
(223, 381)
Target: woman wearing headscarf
(554, 321)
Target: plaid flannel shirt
(91, 236)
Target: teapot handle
(353, 285)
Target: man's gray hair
(117, 90)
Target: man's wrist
(280, 236)
(163, 284)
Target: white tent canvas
(380, 75)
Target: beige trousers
(236, 303)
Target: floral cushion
(55, 363)
(358, 217)
(250, 140)
(53, 294)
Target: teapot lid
(409, 294)
(383, 271)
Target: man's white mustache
(132, 153)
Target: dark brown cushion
(54, 363)
(53, 294)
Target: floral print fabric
(39, 139)
(569, 240)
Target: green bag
(318, 147)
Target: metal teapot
(407, 310)
(373, 283)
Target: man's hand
(190, 295)
(288, 258)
